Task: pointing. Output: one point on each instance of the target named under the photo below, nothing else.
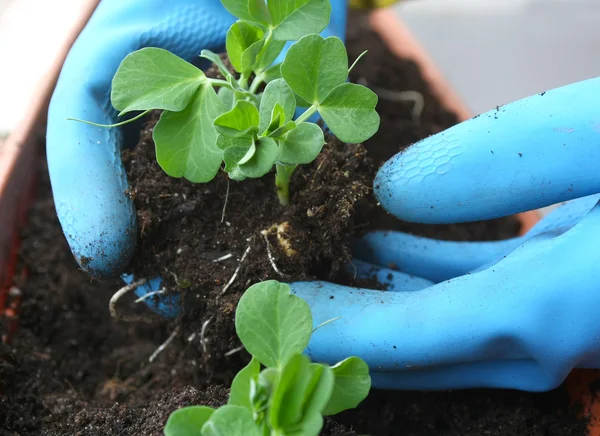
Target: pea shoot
(234, 124)
(280, 392)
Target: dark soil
(72, 370)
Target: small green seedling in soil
(208, 122)
(280, 392)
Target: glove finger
(529, 154)
(538, 304)
(521, 374)
(88, 178)
(430, 259)
(150, 293)
(393, 331)
(392, 281)
(441, 260)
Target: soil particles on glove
(72, 370)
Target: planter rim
(18, 153)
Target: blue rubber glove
(523, 321)
(512, 314)
(88, 178)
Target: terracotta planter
(18, 153)
(17, 169)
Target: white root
(235, 350)
(221, 259)
(400, 96)
(203, 340)
(112, 305)
(148, 295)
(270, 255)
(164, 345)
(225, 204)
(237, 270)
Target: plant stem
(306, 115)
(218, 82)
(282, 182)
(110, 126)
(256, 83)
(243, 81)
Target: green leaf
(283, 130)
(235, 149)
(352, 385)
(251, 10)
(239, 395)
(268, 55)
(303, 390)
(300, 102)
(310, 426)
(349, 111)
(276, 92)
(272, 73)
(277, 120)
(242, 120)
(319, 389)
(301, 145)
(187, 421)
(262, 160)
(216, 59)
(249, 154)
(227, 97)
(314, 66)
(232, 156)
(224, 142)
(153, 78)
(250, 55)
(289, 395)
(272, 324)
(262, 389)
(231, 421)
(186, 141)
(241, 37)
(268, 380)
(292, 19)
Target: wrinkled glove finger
(153, 294)
(88, 178)
(430, 259)
(441, 260)
(521, 374)
(538, 304)
(532, 153)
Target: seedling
(289, 395)
(208, 122)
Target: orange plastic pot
(17, 170)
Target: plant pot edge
(18, 153)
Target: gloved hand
(512, 314)
(88, 178)
(523, 321)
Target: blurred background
(31, 32)
(492, 52)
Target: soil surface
(72, 370)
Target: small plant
(290, 395)
(207, 122)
